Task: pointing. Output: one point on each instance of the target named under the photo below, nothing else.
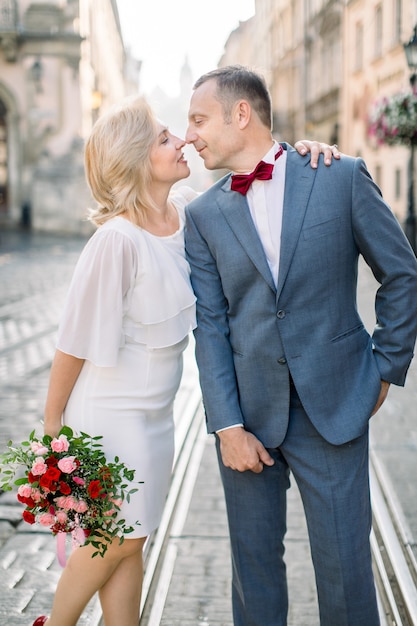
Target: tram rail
(394, 561)
(160, 551)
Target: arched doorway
(3, 160)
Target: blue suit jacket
(250, 335)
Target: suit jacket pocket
(348, 333)
(321, 229)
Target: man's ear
(243, 112)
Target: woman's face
(167, 158)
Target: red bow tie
(263, 171)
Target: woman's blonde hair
(117, 161)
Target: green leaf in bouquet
(67, 431)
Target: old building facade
(375, 66)
(61, 64)
(326, 62)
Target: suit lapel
(236, 212)
(299, 179)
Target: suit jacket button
(281, 314)
(282, 360)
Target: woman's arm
(64, 373)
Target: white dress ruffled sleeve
(129, 286)
(163, 306)
(91, 326)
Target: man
(289, 375)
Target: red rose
(53, 473)
(58, 528)
(64, 488)
(29, 517)
(32, 478)
(47, 483)
(51, 461)
(28, 501)
(94, 488)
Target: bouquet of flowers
(393, 120)
(69, 486)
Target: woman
(118, 363)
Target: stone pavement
(199, 593)
(200, 589)
(34, 275)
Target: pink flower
(36, 495)
(62, 517)
(46, 519)
(25, 491)
(67, 464)
(38, 448)
(39, 466)
(71, 503)
(62, 502)
(78, 481)
(109, 513)
(60, 445)
(81, 507)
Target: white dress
(129, 311)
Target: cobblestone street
(34, 275)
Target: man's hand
(303, 146)
(242, 451)
(382, 396)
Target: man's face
(215, 140)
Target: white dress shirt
(266, 201)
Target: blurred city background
(327, 62)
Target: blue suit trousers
(334, 485)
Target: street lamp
(410, 50)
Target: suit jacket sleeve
(212, 334)
(386, 250)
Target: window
(3, 159)
(378, 175)
(378, 31)
(398, 10)
(358, 46)
(397, 175)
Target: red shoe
(40, 621)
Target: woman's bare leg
(83, 576)
(120, 595)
